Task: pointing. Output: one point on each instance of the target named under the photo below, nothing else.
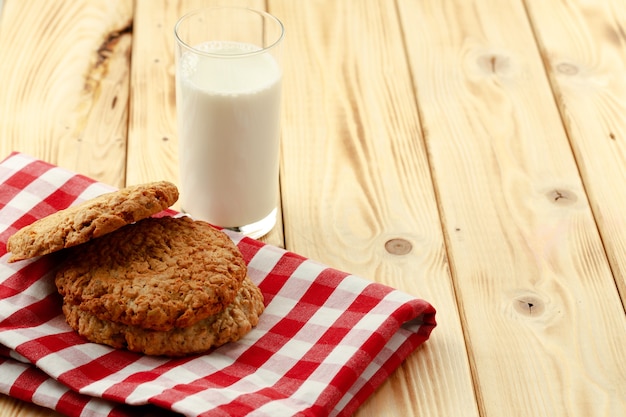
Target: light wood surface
(471, 153)
(534, 286)
(65, 83)
(587, 63)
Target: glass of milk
(228, 88)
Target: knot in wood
(529, 305)
(398, 246)
(495, 64)
(566, 68)
(562, 197)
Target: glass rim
(262, 50)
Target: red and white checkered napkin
(326, 340)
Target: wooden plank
(357, 194)
(63, 98)
(584, 46)
(544, 323)
(152, 137)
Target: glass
(228, 94)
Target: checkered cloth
(325, 342)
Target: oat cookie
(91, 219)
(229, 325)
(158, 273)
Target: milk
(228, 113)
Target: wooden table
(469, 152)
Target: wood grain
(537, 297)
(584, 45)
(434, 146)
(64, 77)
(358, 195)
(72, 95)
(63, 97)
(152, 136)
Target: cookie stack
(160, 286)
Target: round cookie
(229, 325)
(158, 273)
(91, 219)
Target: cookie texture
(229, 325)
(91, 219)
(158, 274)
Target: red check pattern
(326, 340)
